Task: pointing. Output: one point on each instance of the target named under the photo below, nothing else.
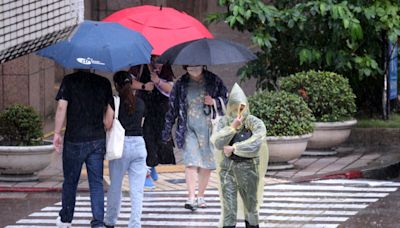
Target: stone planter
(327, 135)
(21, 163)
(285, 148)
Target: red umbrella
(163, 27)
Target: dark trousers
(74, 155)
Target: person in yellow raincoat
(242, 155)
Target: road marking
(319, 204)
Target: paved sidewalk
(349, 162)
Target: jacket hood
(236, 98)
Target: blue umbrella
(103, 46)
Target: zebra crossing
(325, 203)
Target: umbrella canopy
(164, 27)
(103, 46)
(206, 52)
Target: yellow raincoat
(241, 181)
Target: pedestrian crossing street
(325, 203)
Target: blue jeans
(133, 161)
(74, 155)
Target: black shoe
(108, 226)
(191, 205)
(250, 226)
(229, 226)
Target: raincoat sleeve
(223, 134)
(250, 147)
(171, 114)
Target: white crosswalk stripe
(326, 203)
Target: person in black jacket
(153, 84)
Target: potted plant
(289, 124)
(22, 150)
(332, 102)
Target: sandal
(191, 205)
(201, 203)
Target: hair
(123, 82)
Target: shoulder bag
(115, 136)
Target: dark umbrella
(104, 46)
(206, 52)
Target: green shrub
(328, 94)
(284, 114)
(20, 125)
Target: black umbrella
(206, 52)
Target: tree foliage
(347, 37)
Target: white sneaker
(60, 224)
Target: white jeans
(133, 161)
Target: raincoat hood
(237, 98)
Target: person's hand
(208, 100)
(228, 150)
(154, 78)
(149, 86)
(237, 122)
(57, 142)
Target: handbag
(215, 121)
(115, 136)
(242, 135)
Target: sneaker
(108, 226)
(191, 204)
(153, 173)
(148, 183)
(60, 224)
(201, 203)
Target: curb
(343, 174)
(386, 171)
(386, 168)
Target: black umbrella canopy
(206, 52)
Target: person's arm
(59, 122)
(249, 148)
(224, 132)
(136, 85)
(172, 113)
(108, 117)
(162, 84)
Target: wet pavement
(24, 204)
(324, 203)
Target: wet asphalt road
(14, 206)
(383, 214)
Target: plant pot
(285, 148)
(327, 135)
(21, 163)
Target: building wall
(27, 26)
(34, 80)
